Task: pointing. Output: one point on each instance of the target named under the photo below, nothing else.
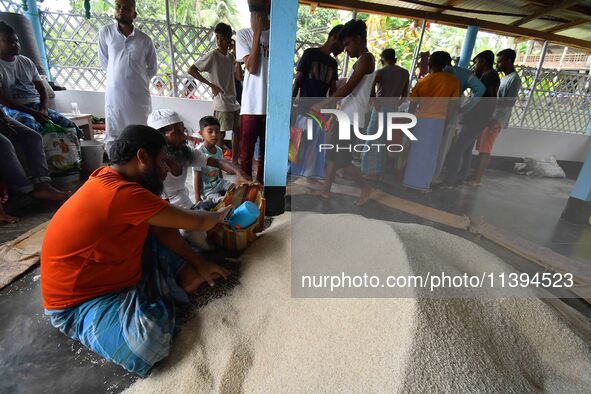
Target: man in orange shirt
(114, 267)
(434, 95)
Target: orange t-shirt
(93, 245)
(433, 92)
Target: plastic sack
(62, 149)
(547, 168)
(295, 139)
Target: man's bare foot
(472, 183)
(314, 181)
(7, 218)
(321, 193)
(44, 191)
(364, 196)
(374, 178)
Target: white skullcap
(162, 118)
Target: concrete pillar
(578, 207)
(468, 46)
(282, 40)
(32, 14)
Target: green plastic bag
(62, 149)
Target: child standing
(221, 66)
(210, 186)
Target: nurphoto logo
(393, 121)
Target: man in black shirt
(316, 75)
(460, 154)
(317, 71)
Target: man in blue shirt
(473, 121)
(477, 89)
(507, 93)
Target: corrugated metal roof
(500, 16)
(517, 7)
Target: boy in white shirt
(220, 65)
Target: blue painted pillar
(284, 15)
(578, 207)
(32, 14)
(468, 46)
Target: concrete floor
(34, 357)
(525, 206)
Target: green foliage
(96, 6)
(205, 13)
(402, 35)
(314, 27)
(213, 12)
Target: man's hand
(6, 128)
(242, 178)
(215, 90)
(223, 213)
(316, 107)
(210, 272)
(493, 124)
(41, 117)
(256, 23)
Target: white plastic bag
(62, 149)
(547, 168)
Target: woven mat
(20, 254)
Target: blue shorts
(29, 121)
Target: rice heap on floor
(259, 339)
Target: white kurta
(130, 63)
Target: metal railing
(71, 43)
(560, 101)
(11, 6)
(572, 61)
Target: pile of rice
(259, 339)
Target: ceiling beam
(566, 26)
(545, 11)
(440, 8)
(365, 6)
(450, 3)
(579, 8)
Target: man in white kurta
(129, 58)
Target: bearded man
(114, 268)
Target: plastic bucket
(92, 155)
(245, 215)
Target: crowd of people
(457, 110)
(117, 285)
